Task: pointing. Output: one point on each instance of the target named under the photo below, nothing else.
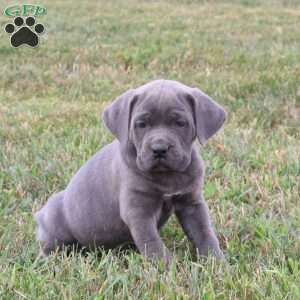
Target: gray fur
(128, 190)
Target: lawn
(245, 54)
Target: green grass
(245, 54)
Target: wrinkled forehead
(162, 100)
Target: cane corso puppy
(127, 191)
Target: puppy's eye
(140, 124)
(181, 123)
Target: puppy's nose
(159, 150)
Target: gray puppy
(127, 191)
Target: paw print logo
(24, 32)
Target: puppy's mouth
(170, 162)
(154, 164)
(160, 165)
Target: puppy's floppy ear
(209, 115)
(118, 114)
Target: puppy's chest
(174, 186)
(168, 206)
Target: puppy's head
(160, 121)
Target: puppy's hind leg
(53, 231)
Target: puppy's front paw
(210, 245)
(168, 261)
(164, 261)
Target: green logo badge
(25, 10)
